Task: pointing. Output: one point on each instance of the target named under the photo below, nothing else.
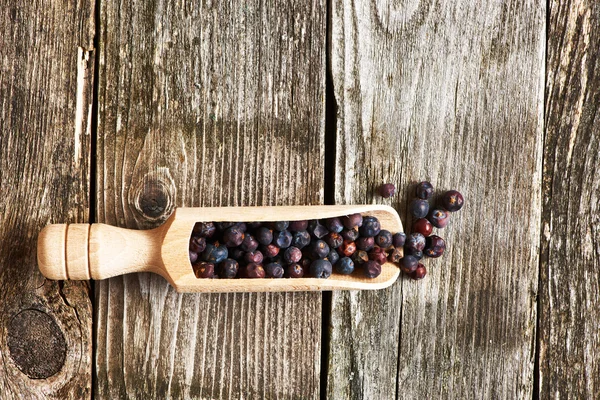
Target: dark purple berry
(204, 269)
(193, 257)
(270, 250)
(249, 243)
(228, 269)
(319, 249)
(316, 229)
(334, 225)
(424, 190)
(254, 270)
(297, 226)
(301, 239)
(344, 266)
(333, 256)
(321, 269)
(214, 253)
(294, 271)
(282, 239)
(254, 225)
(415, 241)
(334, 240)
(372, 269)
(439, 218)
(396, 255)
(360, 257)
(237, 254)
(419, 208)
(254, 257)
(292, 255)
(352, 221)
(197, 244)
(370, 227)
(384, 239)
(347, 248)
(422, 226)
(452, 200)
(365, 243)
(434, 246)
(418, 254)
(204, 229)
(221, 226)
(274, 270)
(264, 235)
(408, 264)
(399, 239)
(387, 190)
(419, 272)
(279, 225)
(242, 226)
(378, 254)
(350, 234)
(233, 236)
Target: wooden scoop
(99, 251)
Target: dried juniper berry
(415, 241)
(254, 257)
(384, 239)
(233, 236)
(236, 253)
(204, 269)
(344, 266)
(370, 227)
(204, 229)
(197, 244)
(334, 225)
(282, 239)
(228, 268)
(319, 249)
(372, 269)
(297, 226)
(434, 246)
(242, 226)
(378, 254)
(273, 270)
(300, 239)
(270, 250)
(264, 235)
(408, 264)
(350, 234)
(321, 269)
(424, 190)
(334, 240)
(316, 229)
(360, 257)
(399, 239)
(193, 257)
(214, 253)
(395, 255)
(452, 200)
(418, 254)
(419, 208)
(419, 272)
(333, 256)
(352, 221)
(292, 255)
(279, 225)
(254, 270)
(294, 271)
(249, 243)
(347, 248)
(365, 243)
(221, 226)
(422, 226)
(387, 190)
(439, 218)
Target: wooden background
(118, 112)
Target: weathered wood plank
(450, 92)
(45, 103)
(569, 320)
(220, 103)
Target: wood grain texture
(449, 92)
(46, 81)
(207, 105)
(569, 361)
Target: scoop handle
(97, 251)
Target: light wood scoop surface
(99, 251)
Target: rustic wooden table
(118, 112)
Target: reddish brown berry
(422, 226)
(254, 270)
(452, 200)
(378, 254)
(294, 271)
(204, 269)
(347, 248)
(387, 190)
(419, 273)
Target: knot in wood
(36, 344)
(153, 197)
